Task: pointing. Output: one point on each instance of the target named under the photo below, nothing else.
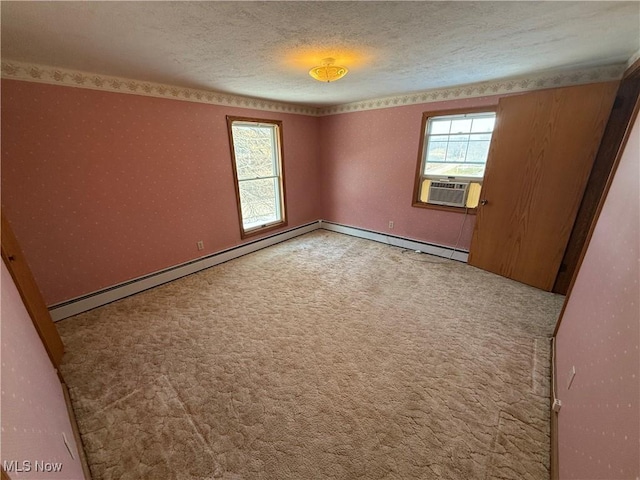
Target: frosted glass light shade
(328, 72)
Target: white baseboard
(438, 250)
(102, 297)
(136, 285)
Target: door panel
(623, 107)
(31, 296)
(541, 154)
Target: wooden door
(541, 154)
(31, 296)
(612, 138)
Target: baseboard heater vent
(136, 285)
(453, 194)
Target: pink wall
(104, 187)
(599, 423)
(34, 412)
(101, 188)
(368, 166)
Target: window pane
(478, 152)
(257, 159)
(438, 169)
(461, 126)
(479, 136)
(457, 148)
(436, 151)
(457, 145)
(259, 202)
(455, 170)
(439, 126)
(483, 124)
(459, 138)
(255, 151)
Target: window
(453, 157)
(256, 154)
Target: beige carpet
(324, 357)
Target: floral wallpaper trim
(522, 84)
(72, 78)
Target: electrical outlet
(391, 224)
(200, 245)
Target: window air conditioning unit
(453, 194)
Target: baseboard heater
(96, 299)
(460, 255)
(102, 297)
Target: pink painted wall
(103, 187)
(34, 412)
(368, 166)
(599, 423)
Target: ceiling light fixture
(328, 72)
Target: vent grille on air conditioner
(453, 194)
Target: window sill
(445, 208)
(262, 229)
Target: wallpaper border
(504, 86)
(73, 78)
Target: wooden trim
(555, 460)
(553, 433)
(263, 229)
(18, 267)
(596, 216)
(5, 475)
(415, 202)
(459, 111)
(415, 199)
(554, 457)
(76, 432)
(283, 196)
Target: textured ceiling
(265, 49)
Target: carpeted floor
(324, 357)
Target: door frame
(19, 269)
